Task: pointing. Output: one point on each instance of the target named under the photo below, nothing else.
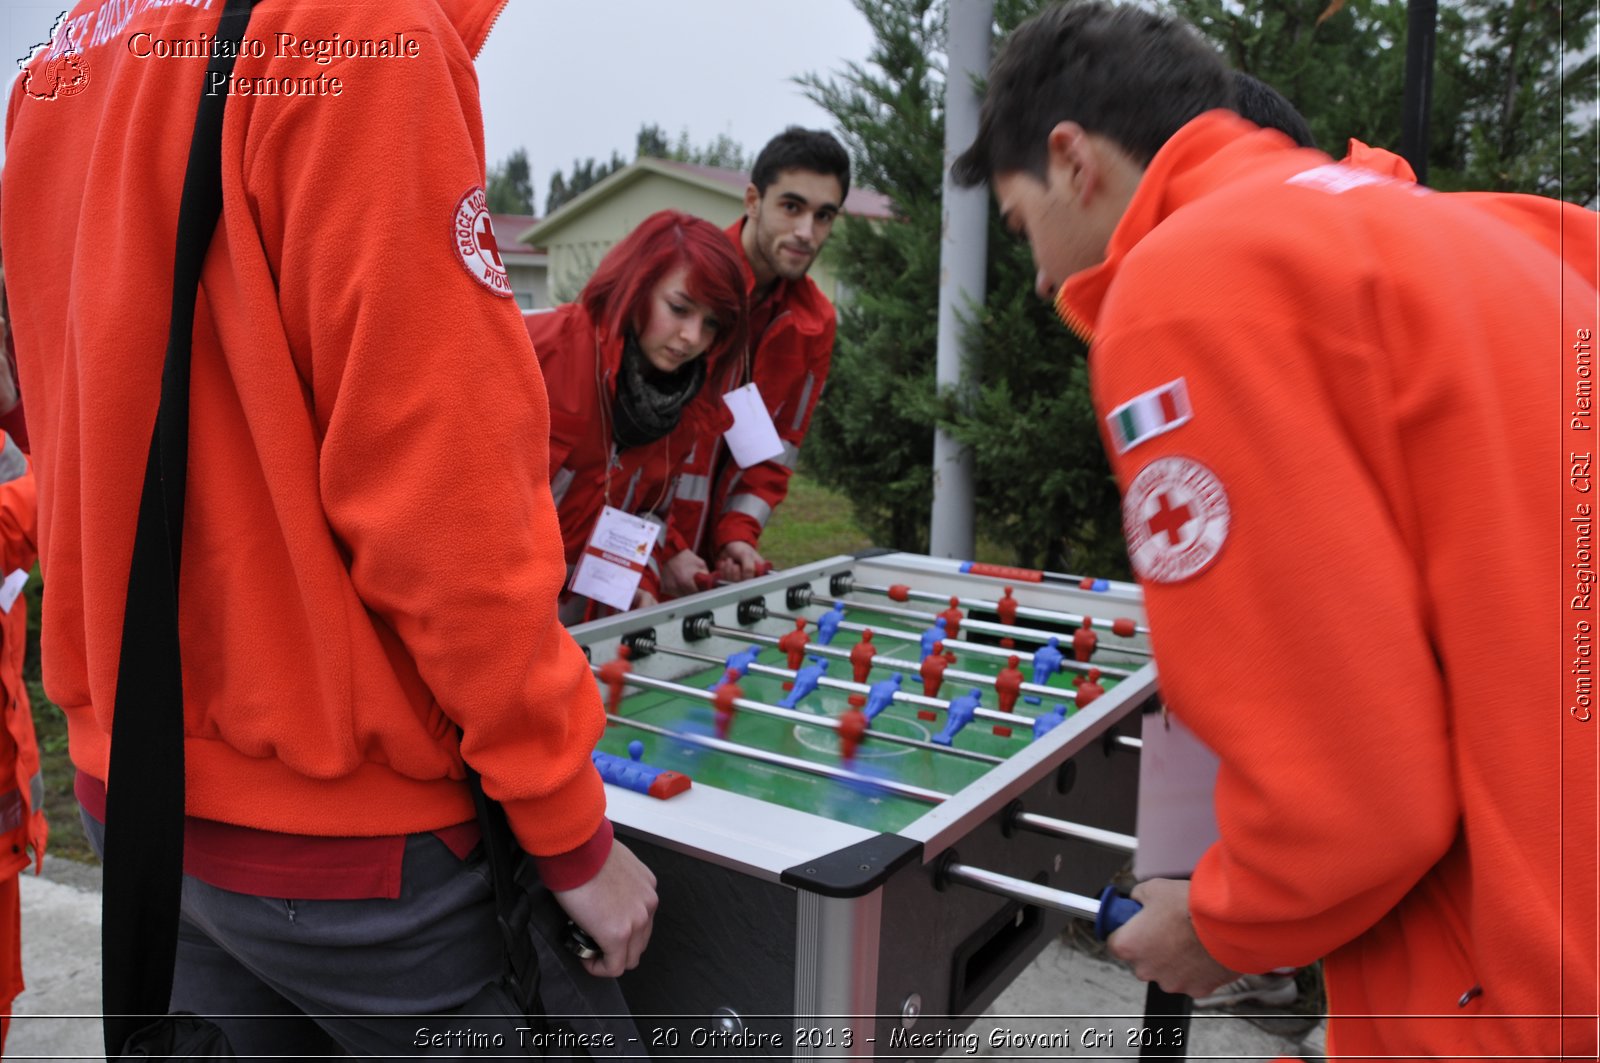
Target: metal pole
(1422, 19)
(963, 261)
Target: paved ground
(1066, 996)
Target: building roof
(861, 202)
(510, 228)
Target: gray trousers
(414, 976)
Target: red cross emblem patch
(473, 236)
(1175, 515)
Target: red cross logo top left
(473, 235)
(64, 71)
(1175, 515)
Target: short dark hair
(1268, 108)
(802, 149)
(1127, 73)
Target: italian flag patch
(1147, 416)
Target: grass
(813, 523)
(50, 731)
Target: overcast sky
(573, 79)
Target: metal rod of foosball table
(1055, 615)
(951, 675)
(1022, 890)
(988, 627)
(902, 789)
(761, 708)
(978, 648)
(1060, 828)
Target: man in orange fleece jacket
(1349, 420)
(370, 552)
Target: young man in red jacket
(370, 553)
(797, 188)
(1341, 412)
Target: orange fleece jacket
(1367, 610)
(370, 552)
(1569, 230)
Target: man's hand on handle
(617, 909)
(1160, 943)
(739, 561)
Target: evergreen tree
(1514, 86)
(511, 185)
(651, 142)
(1042, 480)
(585, 175)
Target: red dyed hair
(617, 296)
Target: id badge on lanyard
(613, 561)
(753, 439)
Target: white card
(1177, 820)
(613, 560)
(11, 588)
(752, 439)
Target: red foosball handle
(1021, 575)
(704, 581)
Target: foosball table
(871, 790)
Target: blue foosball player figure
(962, 710)
(1043, 725)
(1046, 663)
(936, 633)
(828, 623)
(882, 695)
(738, 664)
(805, 681)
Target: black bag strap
(144, 819)
(513, 903)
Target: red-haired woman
(635, 370)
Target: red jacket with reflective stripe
(1369, 609)
(579, 362)
(715, 502)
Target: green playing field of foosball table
(907, 759)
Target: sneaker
(1270, 990)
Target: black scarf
(649, 402)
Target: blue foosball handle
(1115, 909)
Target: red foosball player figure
(1006, 607)
(933, 667)
(1008, 684)
(952, 618)
(861, 655)
(1088, 689)
(1084, 640)
(722, 702)
(852, 727)
(614, 674)
(794, 644)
